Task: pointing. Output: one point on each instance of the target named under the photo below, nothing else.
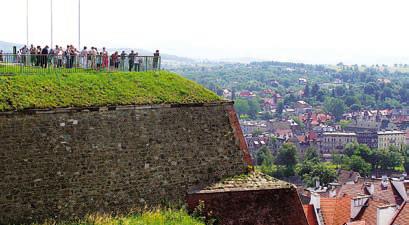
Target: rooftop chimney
(315, 200)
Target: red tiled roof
(388, 194)
(328, 209)
(246, 93)
(301, 139)
(345, 176)
(336, 211)
(310, 214)
(312, 136)
(352, 190)
(402, 217)
(314, 122)
(343, 211)
(368, 214)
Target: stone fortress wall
(66, 163)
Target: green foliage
(254, 107)
(311, 154)
(201, 214)
(307, 91)
(98, 89)
(406, 159)
(287, 157)
(241, 106)
(363, 159)
(249, 107)
(358, 164)
(256, 132)
(298, 121)
(335, 106)
(280, 108)
(264, 157)
(352, 100)
(388, 158)
(344, 123)
(154, 217)
(359, 89)
(315, 89)
(311, 171)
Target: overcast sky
(317, 31)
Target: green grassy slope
(83, 89)
(159, 217)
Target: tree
(344, 123)
(289, 99)
(371, 88)
(352, 100)
(307, 91)
(388, 158)
(340, 160)
(280, 108)
(310, 172)
(360, 150)
(311, 154)
(264, 157)
(242, 106)
(320, 96)
(287, 157)
(358, 164)
(406, 163)
(256, 132)
(298, 121)
(356, 107)
(340, 91)
(254, 108)
(335, 106)
(314, 90)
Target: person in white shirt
(84, 58)
(138, 62)
(60, 54)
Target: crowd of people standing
(71, 57)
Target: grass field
(52, 89)
(158, 217)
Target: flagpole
(27, 22)
(51, 7)
(79, 24)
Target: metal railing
(17, 63)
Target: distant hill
(7, 46)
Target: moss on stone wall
(84, 89)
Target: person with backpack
(123, 56)
(131, 60)
(44, 57)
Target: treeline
(356, 157)
(357, 87)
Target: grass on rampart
(158, 217)
(45, 90)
